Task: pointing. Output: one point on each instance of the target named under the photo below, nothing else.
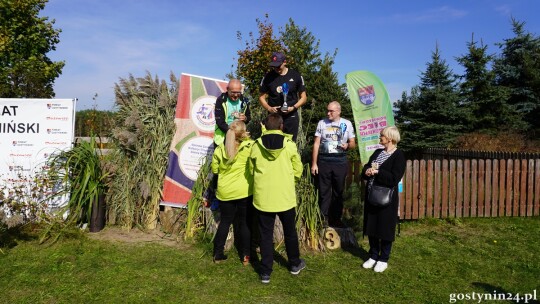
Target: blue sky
(105, 40)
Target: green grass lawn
(431, 260)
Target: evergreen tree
(431, 116)
(485, 103)
(25, 41)
(403, 112)
(518, 69)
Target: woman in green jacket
(234, 190)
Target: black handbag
(380, 196)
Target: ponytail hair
(235, 135)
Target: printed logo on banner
(367, 95)
(20, 155)
(56, 143)
(56, 131)
(17, 181)
(17, 168)
(202, 113)
(56, 106)
(22, 143)
(58, 118)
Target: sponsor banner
(193, 139)
(31, 130)
(372, 110)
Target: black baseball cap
(277, 59)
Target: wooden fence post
(495, 189)
(459, 189)
(481, 188)
(487, 199)
(509, 175)
(429, 189)
(444, 205)
(467, 188)
(515, 198)
(422, 190)
(474, 186)
(437, 190)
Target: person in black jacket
(385, 167)
(230, 105)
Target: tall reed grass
(144, 126)
(309, 218)
(195, 220)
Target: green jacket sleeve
(296, 161)
(215, 160)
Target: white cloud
(107, 52)
(441, 14)
(504, 10)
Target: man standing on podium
(282, 91)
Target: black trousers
(266, 227)
(379, 250)
(240, 209)
(290, 124)
(331, 178)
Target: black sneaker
(296, 269)
(265, 278)
(220, 257)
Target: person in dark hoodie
(276, 166)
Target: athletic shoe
(369, 263)
(296, 269)
(265, 278)
(220, 257)
(381, 266)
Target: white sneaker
(381, 266)
(369, 263)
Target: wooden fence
(467, 188)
